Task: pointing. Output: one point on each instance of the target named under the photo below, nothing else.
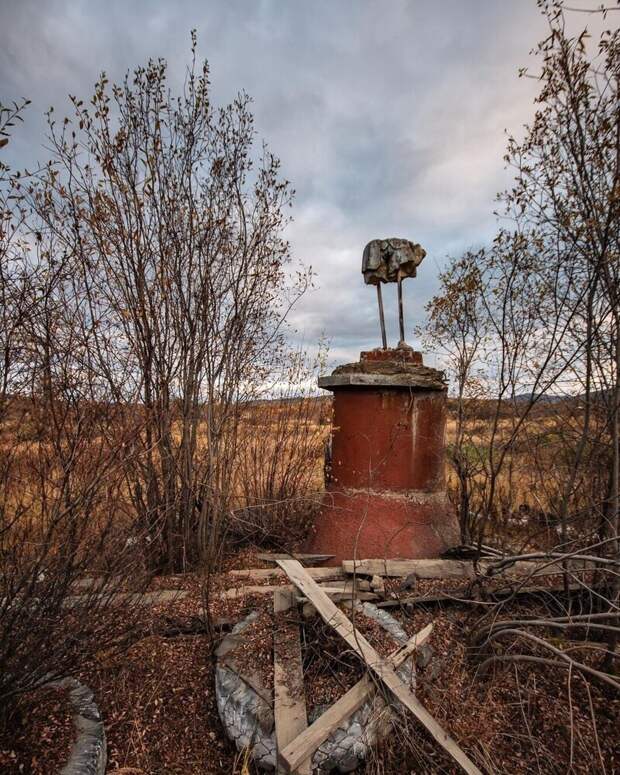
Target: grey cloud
(388, 116)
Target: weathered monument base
(386, 493)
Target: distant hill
(555, 399)
(541, 398)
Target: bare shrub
(173, 223)
(533, 319)
(547, 304)
(63, 451)
(60, 525)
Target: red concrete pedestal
(385, 495)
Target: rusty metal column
(386, 493)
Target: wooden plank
(261, 574)
(288, 680)
(534, 569)
(334, 616)
(345, 589)
(336, 596)
(236, 592)
(446, 569)
(348, 592)
(360, 585)
(306, 743)
(309, 559)
(423, 569)
(156, 597)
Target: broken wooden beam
(423, 569)
(236, 592)
(386, 674)
(345, 589)
(306, 743)
(155, 597)
(446, 569)
(261, 574)
(338, 597)
(288, 680)
(348, 585)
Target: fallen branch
(462, 596)
(568, 661)
(560, 623)
(588, 561)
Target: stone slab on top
(400, 367)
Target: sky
(389, 117)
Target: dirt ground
(38, 735)
(158, 701)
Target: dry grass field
(279, 468)
(280, 440)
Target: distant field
(279, 459)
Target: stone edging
(89, 752)
(249, 722)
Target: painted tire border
(89, 753)
(249, 721)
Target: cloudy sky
(389, 116)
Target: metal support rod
(381, 317)
(401, 318)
